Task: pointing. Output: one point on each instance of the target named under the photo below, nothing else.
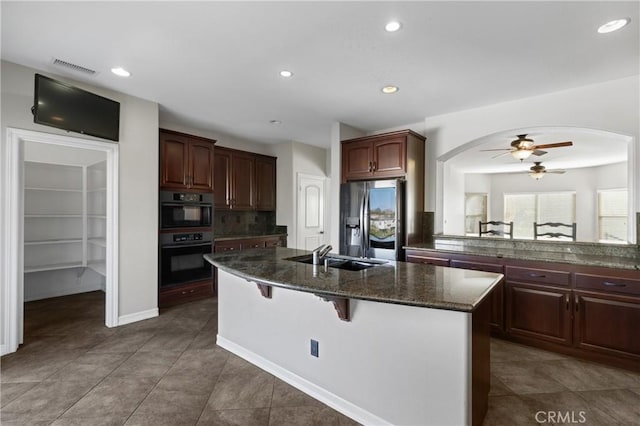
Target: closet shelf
(97, 190)
(69, 216)
(99, 267)
(51, 267)
(98, 242)
(33, 188)
(96, 216)
(58, 241)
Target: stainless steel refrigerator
(372, 219)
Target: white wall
(138, 216)
(339, 132)
(611, 106)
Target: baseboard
(137, 316)
(339, 404)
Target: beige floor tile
(45, 401)
(156, 420)
(621, 404)
(197, 362)
(92, 421)
(245, 417)
(509, 410)
(114, 396)
(313, 415)
(498, 388)
(146, 364)
(130, 342)
(169, 341)
(578, 375)
(10, 391)
(285, 395)
(237, 365)
(242, 391)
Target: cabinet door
(389, 158)
(174, 161)
(539, 312)
(265, 183)
(357, 160)
(607, 324)
(496, 298)
(228, 245)
(201, 165)
(243, 181)
(221, 180)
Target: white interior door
(310, 220)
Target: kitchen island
(396, 343)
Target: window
(612, 215)
(475, 210)
(525, 209)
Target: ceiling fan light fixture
(612, 26)
(537, 175)
(521, 154)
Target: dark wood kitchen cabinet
(265, 183)
(186, 161)
(244, 180)
(591, 312)
(234, 187)
(381, 156)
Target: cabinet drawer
(476, 266)
(227, 246)
(538, 276)
(252, 244)
(185, 293)
(427, 260)
(273, 242)
(608, 284)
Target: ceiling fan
(524, 147)
(537, 171)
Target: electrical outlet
(314, 348)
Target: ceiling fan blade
(553, 145)
(501, 154)
(498, 149)
(558, 172)
(539, 152)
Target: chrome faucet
(320, 252)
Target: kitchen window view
(526, 209)
(612, 216)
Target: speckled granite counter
(394, 282)
(248, 236)
(590, 254)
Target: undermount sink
(341, 262)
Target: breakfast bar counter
(397, 343)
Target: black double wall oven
(186, 235)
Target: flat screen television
(69, 108)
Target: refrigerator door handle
(365, 223)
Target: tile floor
(168, 371)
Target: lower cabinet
(250, 243)
(539, 312)
(185, 293)
(586, 311)
(607, 324)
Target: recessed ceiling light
(614, 25)
(121, 72)
(286, 73)
(390, 89)
(275, 121)
(392, 26)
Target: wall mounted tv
(69, 108)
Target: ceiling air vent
(73, 67)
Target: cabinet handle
(370, 166)
(566, 298)
(375, 165)
(534, 275)
(577, 302)
(610, 284)
(191, 291)
(184, 292)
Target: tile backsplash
(231, 223)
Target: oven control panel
(186, 197)
(181, 238)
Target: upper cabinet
(186, 162)
(244, 181)
(265, 183)
(381, 156)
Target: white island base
(390, 364)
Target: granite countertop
(393, 282)
(535, 254)
(244, 236)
